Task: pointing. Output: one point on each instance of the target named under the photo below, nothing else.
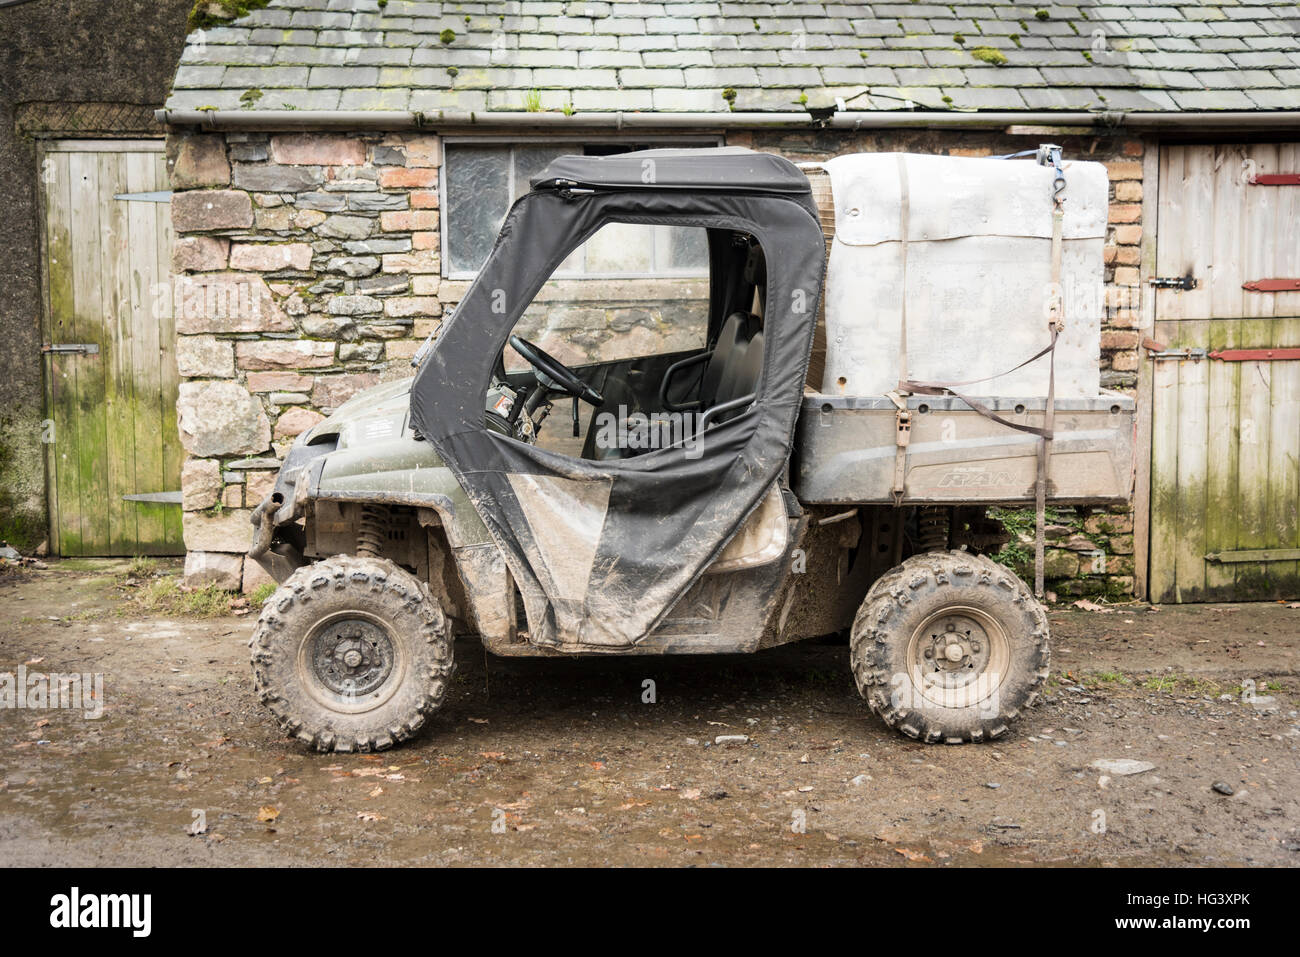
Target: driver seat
(740, 375)
(731, 371)
(734, 337)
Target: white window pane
(478, 197)
(621, 248)
(531, 160)
(482, 181)
(688, 250)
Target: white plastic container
(978, 278)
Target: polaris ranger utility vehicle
(770, 450)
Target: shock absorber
(372, 528)
(933, 531)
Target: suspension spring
(933, 532)
(372, 531)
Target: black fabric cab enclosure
(601, 550)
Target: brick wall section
(308, 268)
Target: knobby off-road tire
(950, 647)
(352, 654)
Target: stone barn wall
(307, 268)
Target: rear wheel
(950, 647)
(352, 654)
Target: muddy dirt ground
(573, 768)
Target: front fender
(399, 471)
(364, 452)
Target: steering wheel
(552, 373)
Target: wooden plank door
(1225, 456)
(111, 405)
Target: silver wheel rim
(351, 662)
(958, 657)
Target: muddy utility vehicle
(737, 460)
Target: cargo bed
(845, 451)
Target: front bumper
(277, 541)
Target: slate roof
(682, 57)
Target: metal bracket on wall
(70, 348)
(1163, 354)
(1276, 179)
(157, 196)
(1254, 555)
(1255, 355)
(1179, 282)
(1158, 350)
(1228, 355)
(1272, 285)
(157, 498)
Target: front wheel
(352, 654)
(950, 647)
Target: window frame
(653, 142)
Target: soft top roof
(716, 168)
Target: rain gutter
(437, 121)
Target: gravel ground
(561, 762)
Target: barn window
(480, 181)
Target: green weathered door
(111, 429)
(1225, 458)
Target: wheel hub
(954, 650)
(352, 657)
